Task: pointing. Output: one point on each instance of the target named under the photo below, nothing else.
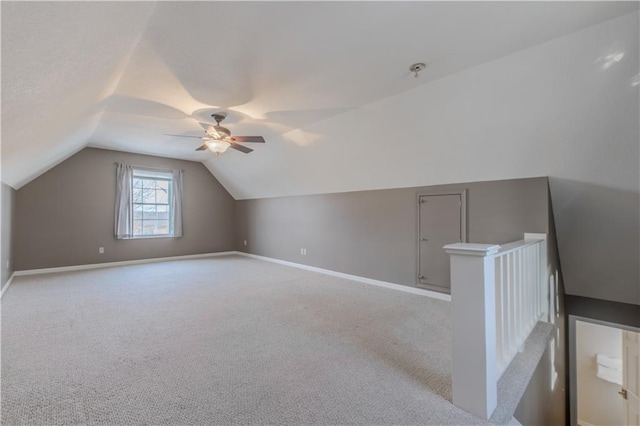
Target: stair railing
(498, 294)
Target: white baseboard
(6, 285)
(120, 263)
(583, 423)
(385, 284)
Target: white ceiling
(121, 74)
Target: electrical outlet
(245, 242)
(8, 264)
(303, 251)
(101, 250)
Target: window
(148, 203)
(151, 203)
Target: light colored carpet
(226, 340)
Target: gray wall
(544, 400)
(599, 239)
(7, 207)
(63, 216)
(66, 214)
(374, 233)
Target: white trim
(6, 285)
(472, 249)
(385, 284)
(393, 286)
(583, 423)
(121, 263)
(144, 237)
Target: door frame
(463, 228)
(571, 357)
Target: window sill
(149, 237)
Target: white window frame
(142, 173)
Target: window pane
(162, 195)
(137, 183)
(163, 215)
(149, 183)
(148, 208)
(148, 228)
(149, 214)
(148, 195)
(162, 227)
(137, 227)
(137, 195)
(162, 208)
(137, 212)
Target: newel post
(474, 327)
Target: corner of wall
(7, 208)
(549, 389)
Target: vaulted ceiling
(511, 89)
(120, 75)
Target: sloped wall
(568, 109)
(63, 216)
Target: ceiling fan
(218, 139)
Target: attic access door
(442, 219)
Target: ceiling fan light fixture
(218, 139)
(218, 146)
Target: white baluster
(505, 311)
(513, 303)
(499, 309)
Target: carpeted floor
(226, 340)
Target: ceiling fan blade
(202, 148)
(240, 148)
(248, 139)
(183, 136)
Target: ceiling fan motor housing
(222, 132)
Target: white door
(631, 377)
